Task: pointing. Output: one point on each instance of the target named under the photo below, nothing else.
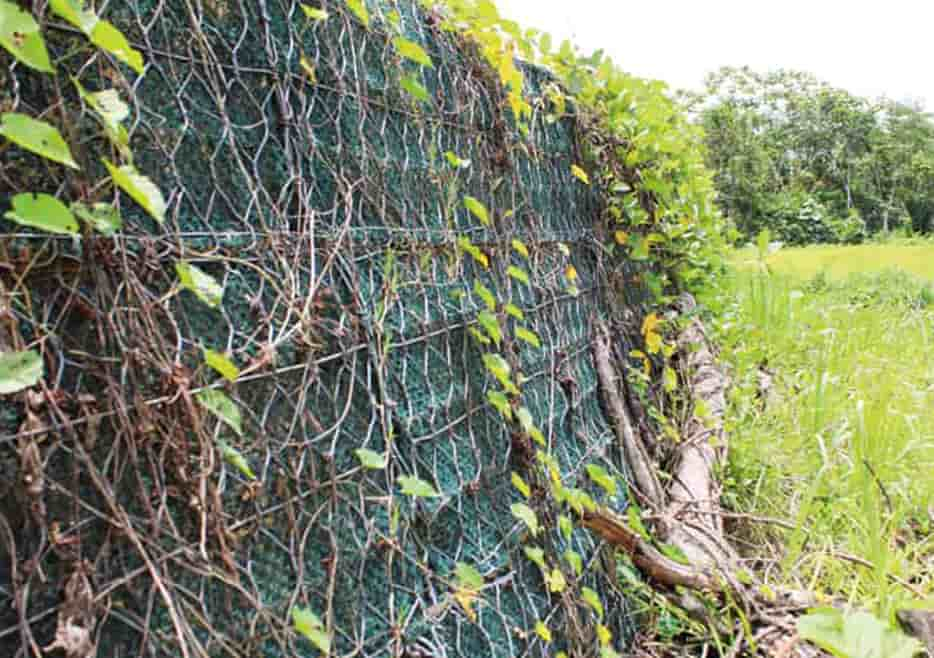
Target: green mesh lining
(295, 194)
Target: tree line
(814, 163)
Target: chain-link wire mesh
(328, 211)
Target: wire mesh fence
(326, 207)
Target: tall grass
(844, 443)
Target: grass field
(842, 443)
(839, 262)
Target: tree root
(686, 514)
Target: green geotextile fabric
(330, 214)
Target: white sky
(868, 48)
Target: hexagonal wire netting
(328, 211)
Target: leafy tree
(813, 162)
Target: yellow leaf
(543, 631)
(570, 272)
(650, 324)
(604, 634)
(466, 598)
(580, 174)
(653, 343)
(308, 68)
(621, 237)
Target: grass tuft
(843, 442)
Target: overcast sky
(868, 48)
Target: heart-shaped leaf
(527, 515)
(140, 188)
(370, 459)
(19, 371)
(19, 35)
(500, 402)
(102, 217)
(224, 366)
(415, 88)
(221, 406)
(44, 212)
(413, 486)
(37, 136)
(202, 284)
(106, 36)
(310, 625)
(315, 14)
(236, 459)
(476, 207)
(412, 51)
(358, 7)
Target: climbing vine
(639, 152)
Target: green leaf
(520, 248)
(202, 284)
(370, 459)
(528, 336)
(358, 7)
(518, 274)
(236, 459)
(315, 14)
(477, 209)
(579, 501)
(413, 86)
(479, 336)
(634, 516)
(464, 243)
(521, 485)
(468, 577)
(499, 368)
(44, 212)
(101, 33)
(599, 475)
(455, 161)
(575, 560)
(556, 581)
(227, 369)
(308, 624)
(670, 380)
(514, 311)
(544, 44)
(486, 295)
(536, 555)
(413, 486)
(140, 188)
(501, 402)
(107, 37)
(855, 635)
(19, 371)
(525, 419)
(528, 425)
(111, 110)
(412, 51)
(102, 217)
(37, 136)
(221, 406)
(525, 514)
(675, 553)
(74, 12)
(489, 322)
(592, 599)
(566, 526)
(19, 35)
